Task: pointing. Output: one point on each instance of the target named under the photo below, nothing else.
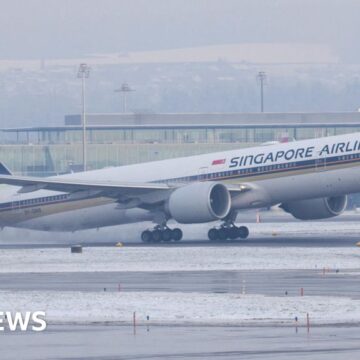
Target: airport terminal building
(119, 139)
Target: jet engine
(313, 209)
(199, 202)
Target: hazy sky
(63, 28)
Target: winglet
(4, 170)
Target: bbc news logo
(13, 321)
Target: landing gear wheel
(161, 233)
(146, 236)
(167, 235)
(228, 231)
(222, 234)
(233, 233)
(213, 235)
(243, 232)
(157, 235)
(177, 234)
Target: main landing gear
(161, 233)
(228, 231)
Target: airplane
(309, 179)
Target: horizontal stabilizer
(4, 170)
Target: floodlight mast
(83, 74)
(261, 78)
(125, 89)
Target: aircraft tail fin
(4, 170)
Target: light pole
(125, 89)
(83, 73)
(261, 78)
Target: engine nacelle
(314, 209)
(199, 202)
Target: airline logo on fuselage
(218, 162)
(294, 154)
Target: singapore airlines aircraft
(310, 179)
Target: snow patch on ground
(178, 259)
(181, 308)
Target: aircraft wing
(106, 188)
(144, 192)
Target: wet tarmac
(266, 241)
(266, 282)
(107, 342)
(103, 342)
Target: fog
(127, 233)
(308, 48)
(52, 28)
(124, 233)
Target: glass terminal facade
(55, 150)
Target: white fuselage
(279, 173)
